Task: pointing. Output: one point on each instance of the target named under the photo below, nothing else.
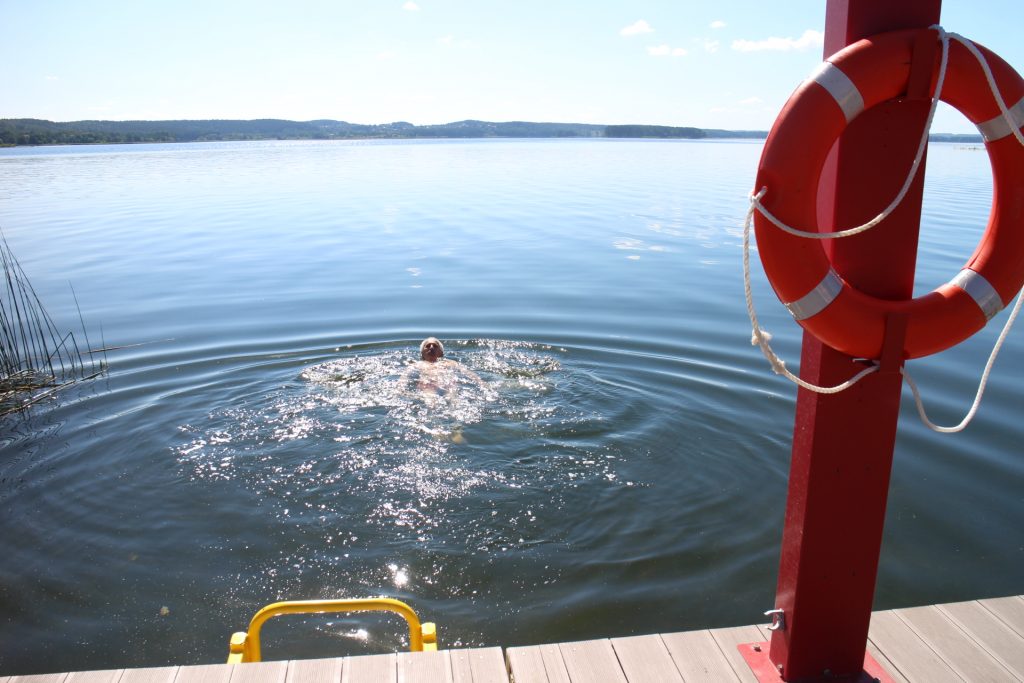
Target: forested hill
(40, 132)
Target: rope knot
(778, 366)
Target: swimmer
(437, 373)
(438, 379)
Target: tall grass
(36, 359)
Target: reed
(36, 358)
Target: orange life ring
(859, 77)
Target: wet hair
(423, 344)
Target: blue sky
(670, 62)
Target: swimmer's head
(431, 349)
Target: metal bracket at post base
(756, 657)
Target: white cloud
(751, 100)
(52, 78)
(666, 51)
(636, 28)
(711, 46)
(810, 38)
(446, 40)
(385, 55)
(717, 23)
(411, 6)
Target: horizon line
(416, 125)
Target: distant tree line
(653, 132)
(41, 132)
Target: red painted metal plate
(756, 656)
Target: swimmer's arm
(472, 376)
(403, 380)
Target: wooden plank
(729, 639)
(370, 669)
(161, 674)
(910, 656)
(645, 658)
(554, 664)
(315, 670)
(1009, 610)
(591, 661)
(537, 664)
(698, 657)
(964, 655)
(1002, 642)
(885, 663)
(526, 665)
(205, 673)
(479, 665)
(424, 667)
(40, 678)
(104, 676)
(260, 672)
(462, 671)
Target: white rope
(981, 383)
(973, 49)
(761, 337)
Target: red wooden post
(843, 443)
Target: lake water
(623, 470)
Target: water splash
(357, 427)
(370, 486)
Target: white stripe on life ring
(998, 128)
(981, 290)
(841, 88)
(815, 301)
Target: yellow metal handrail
(245, 645)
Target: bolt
(827, 673)
(757, 648)
(779, 667)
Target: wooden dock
(981, 640)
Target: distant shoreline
(39, 132)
